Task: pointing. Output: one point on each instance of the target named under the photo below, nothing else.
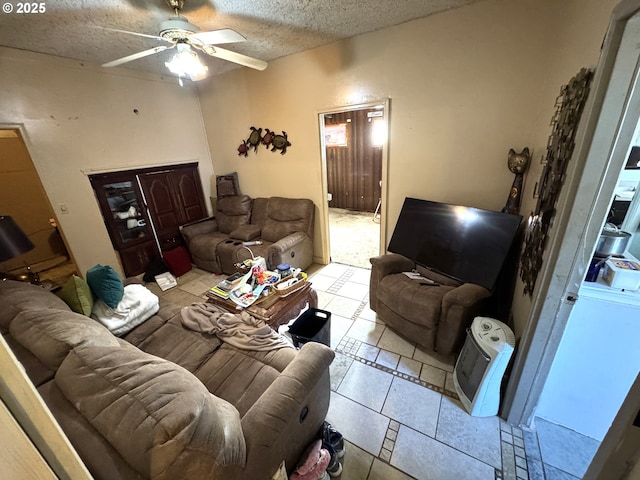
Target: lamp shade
(13, 241)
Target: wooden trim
(25, 404)
(19, 457)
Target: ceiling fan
(179, 33)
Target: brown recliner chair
(434, 316)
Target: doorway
(354, 143)
(24, 199)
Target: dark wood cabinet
(144, 208)
(136, 259)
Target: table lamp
(13, 243)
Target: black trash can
(313, 325)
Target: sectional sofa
(163, 401)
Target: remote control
(248, 244)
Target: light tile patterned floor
(396, 405)
(394, 402)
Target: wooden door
(173, 197)
(354, 159)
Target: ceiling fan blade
(236, 57)
(138, 55)
(217, 37)
(137, 34)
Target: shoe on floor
(334, 469)
(330, 436)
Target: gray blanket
(240, 330)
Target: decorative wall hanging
(255, 137)
(243, 149)
(569, 106)
(269, 139)
(517, 163)
(280, 142)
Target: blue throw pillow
(106, 284)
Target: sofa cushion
(420, 304)
(175, 343)
(232, 212)
(246, 232)
(106, 284)
(227, 185)
(77, 294)
(178, 260)
(259, 211)
(286, 216)
(18, 296)
(50, 334)
(239, 376)
(204, 246)
(158, 416)
(36, 371)
(101, 459)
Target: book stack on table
(222, 289)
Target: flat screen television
(465, 243)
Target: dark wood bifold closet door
(174, 197)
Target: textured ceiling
(273, 28)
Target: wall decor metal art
(280, 142)
(255, 138)
(269, 139)
(564, 122)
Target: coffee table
(275, 310)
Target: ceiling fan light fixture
(186, 63)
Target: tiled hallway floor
(396, 405)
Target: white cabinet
(597, 361)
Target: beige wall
(78, 118)
(465, 87)
(577, 45)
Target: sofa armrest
(192, 230)
(384, 265)
(391, 263)
(296, 402)
(459, 307)
(295, 249)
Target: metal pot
(612, 242)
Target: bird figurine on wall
(517, 163)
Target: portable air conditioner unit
(479, 369)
